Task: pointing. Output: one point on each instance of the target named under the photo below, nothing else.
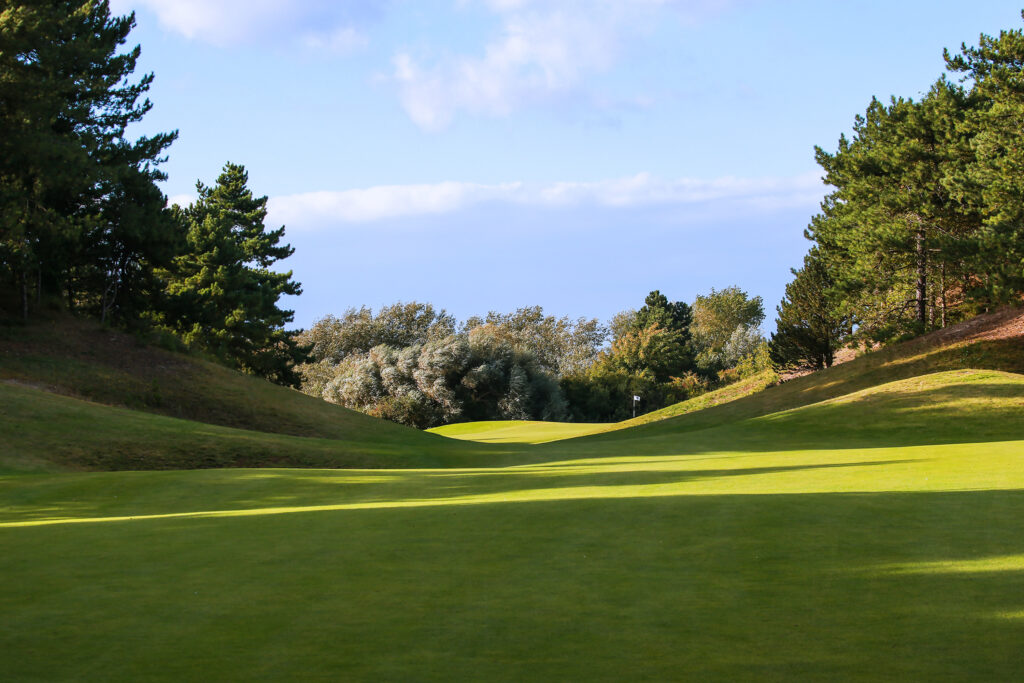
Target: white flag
(635, 397)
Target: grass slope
(991, 341)
(872, 536)
(42, 431)
(83, 360)
(80, 358)
(901, 361)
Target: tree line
(84, 226)
(924, 226)
(419, 366)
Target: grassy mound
(872, 536)
(128, 385)
(991, 341)
(42, 431)
(80, 358)
(932, 354)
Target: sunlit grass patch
(867, 538)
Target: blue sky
(491, 154)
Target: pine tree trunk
(922, 279)
(943, 295)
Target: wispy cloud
(313, 210)
(544, 48)
(318, 24)
(385, 201)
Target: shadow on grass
(867, 586)
(291, 493)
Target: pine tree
(222, 294)
(809, 330)
(994, 179)
(68, 175)
(669, 323)
(892, 233)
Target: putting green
(870, 537)
(519, 431)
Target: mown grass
(534, 432)
(875, 536)
(518, 431)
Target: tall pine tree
(80, 215)
(892, 233)
(222, 295)
(993, 181)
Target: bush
(480, 376)
(755, 362)
(690, 385)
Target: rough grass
(82, 359)
(902, 361)
(873, 536)
(42, 431)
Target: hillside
(82, 359)
(77, 396)
(992, 341)
(42, 431)
(74, 395)
(989, 342)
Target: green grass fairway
(874, 536)
(518, 431)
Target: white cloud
(181, 200)
(323, 209)
(537, 54)
(544, 48)
(314, 23)
(384, 201)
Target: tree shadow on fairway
(664, 473)
(866, 586)
(292, 492)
